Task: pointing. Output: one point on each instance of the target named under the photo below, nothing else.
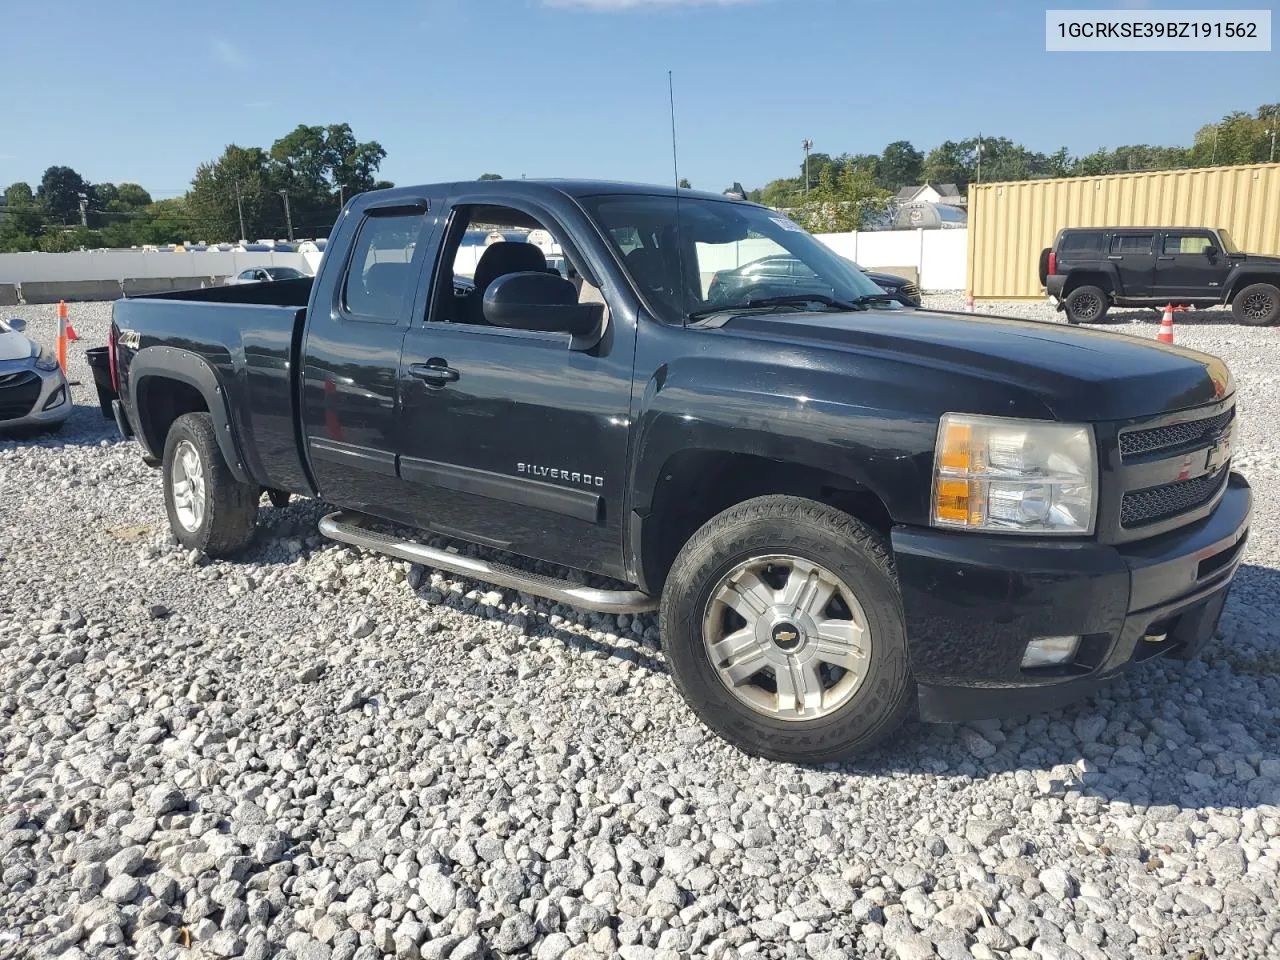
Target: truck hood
(1080, 375)
(1262, 258)
(15, 346)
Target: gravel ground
(324, 755)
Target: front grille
(1157, 503)
(18, 393)
(1137, 442)
(911, 291)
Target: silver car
(33, 391)
(265, 275)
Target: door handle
(435, 372)
(1115, 257)
(1164, 258)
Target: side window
(489, 242)
(1132, 243)
(380, 276)
(1081, 243)
(1186, 243)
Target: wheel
(1087, 304)
(278, 498)
(1257, 305)
(782, 625)
(209, 510)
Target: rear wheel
(209, 510)
(1257, 305)
(782, 625)
(1087, 304)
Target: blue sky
(146, 90)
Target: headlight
(1014, 476)
(46, 360)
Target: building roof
(942, 189)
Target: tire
(1044, 265)
(212, 511)
(857, 708)
(1087, 304)
(1257, 305)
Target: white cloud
(228, 54)
(611, 5)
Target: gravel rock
(328, 755)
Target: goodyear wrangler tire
(783, 628)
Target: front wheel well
(696, 485)
(1248, 280)
(161, 401)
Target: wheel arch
(696, 484)
(164, 384)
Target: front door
(1133, 255)
(1191, 266)
(516, 440)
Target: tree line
(248, 193)
(852, 191)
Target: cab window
(380, 276)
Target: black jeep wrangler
(1089, 269)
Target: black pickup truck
(845, 511)
(1088, 270)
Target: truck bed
(247, 335)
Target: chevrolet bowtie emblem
(786, 636)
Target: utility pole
(979, 156)
(1214, 160)
(342, 196)
(807, 144)
(287, 216)
(84, 211)
(240, 212)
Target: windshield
(285, 273)
(1228, 244)
(699, 270)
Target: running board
(348, 529)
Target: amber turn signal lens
(952, 501)
(957, 447)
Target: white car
(265, 275)
(33, 391)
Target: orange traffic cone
(65, 320)
(969, 304)
(1166, 326)
(62, 337)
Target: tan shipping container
(1010, 223)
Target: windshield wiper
(788, 300)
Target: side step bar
(346, 528)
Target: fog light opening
(1050, 652)
(56, 399)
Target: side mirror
(539, 301)
(16, 324)
(1211, 252)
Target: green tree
(844, 203)
(489, 176)
(60, 192)
(684, 184)
(130, 196)
(900, 165)
(22, 220)
(211, 202)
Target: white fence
(135, 265)
(938, 256)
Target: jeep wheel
(783, 628)
(1257, 305)
(1087, 305)
(209, 510)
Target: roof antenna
(675, 167)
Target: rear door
(1191, 266)
(1132, 254)
(351, 354)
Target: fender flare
(172, 363)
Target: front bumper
(27, 404)
(973, 602)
